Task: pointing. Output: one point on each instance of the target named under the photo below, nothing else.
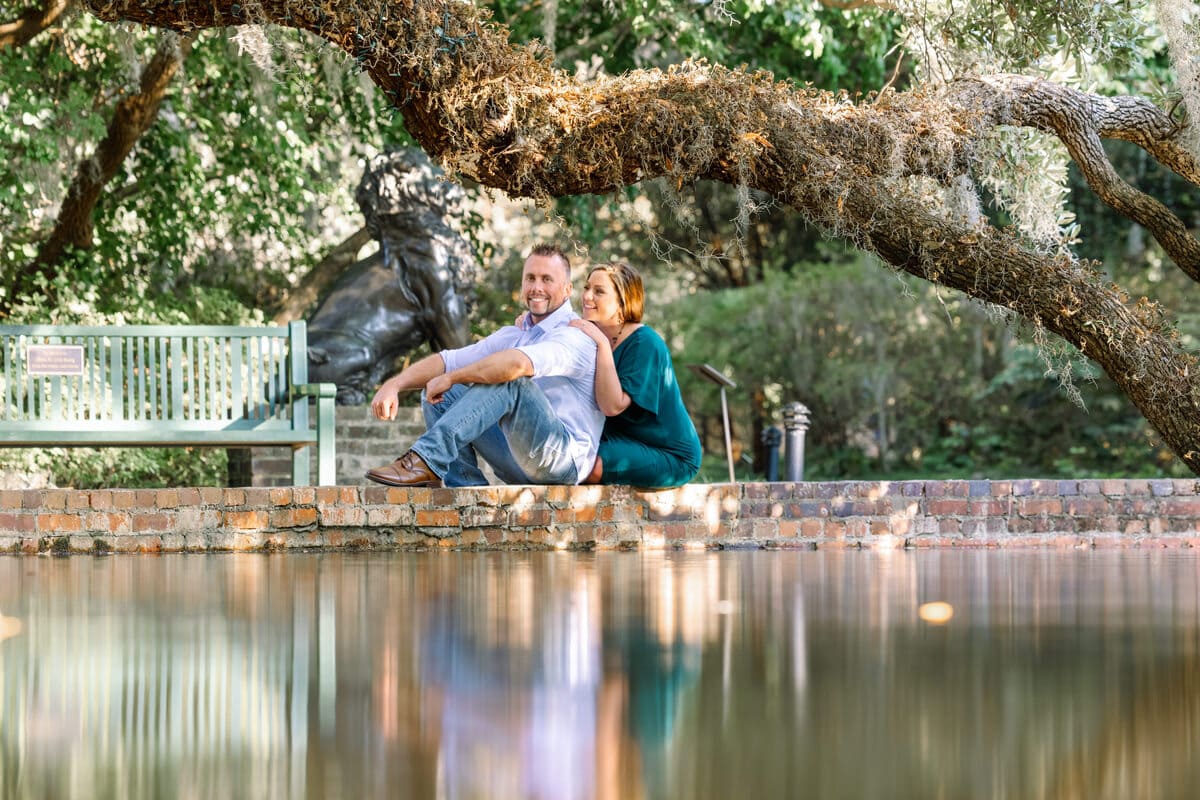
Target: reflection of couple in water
(571, 711)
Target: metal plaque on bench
(54, 359)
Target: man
(523, 398)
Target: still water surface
(609, 675)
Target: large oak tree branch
(33, 21)
(869, 172)
(1080, 121)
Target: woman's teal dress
(653, 443)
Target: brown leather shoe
(407, 470)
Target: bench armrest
(316, 389)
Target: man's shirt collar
(560, 316)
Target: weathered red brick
(244, 520)
(211, 495)
(157, 521)
(1039, 505)
(59, 523)
(189, 496)
(343, 516)
(327, 495)
(18, 523)
(948, 506)
(990, 508)
(520, 517)
(438, 518)
(109, 522)
(857, 527)
(389, 515)
(293, 517)
(54, 498)
(812, 528)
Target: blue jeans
(512, 425)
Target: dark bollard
(772, 437)
(795, 424)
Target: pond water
(1030, 674)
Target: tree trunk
(131, 118)
(317, 280)
(33, 21)
(869, 172)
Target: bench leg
(300, 468)
(326, 454)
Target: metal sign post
(711, 373)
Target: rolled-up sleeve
(502, 339)
(566, 352)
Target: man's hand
(386, 402)
(437, 388)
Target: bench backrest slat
(235, 371)
(152, 373)
(299, 367)
(175, 366)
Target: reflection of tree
(1060, 676)
(1145, 745)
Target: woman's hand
(592, 331)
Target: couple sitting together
(532, 399)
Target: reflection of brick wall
(362, 442)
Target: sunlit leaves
(953, 38)
(232, 185)
(795, 39)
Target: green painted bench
(165, 386)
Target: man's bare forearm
(418, 374)
(502, 367)
(386, 402)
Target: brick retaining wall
(362, 442)
(1011, 513)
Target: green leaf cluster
(232, 188)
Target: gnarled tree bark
(33, 21)
(869, 172)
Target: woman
(649, 440)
